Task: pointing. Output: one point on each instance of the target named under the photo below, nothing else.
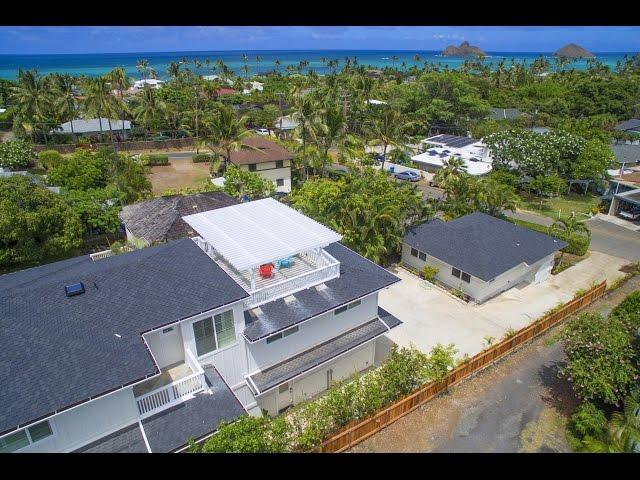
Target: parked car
(262, 131)
(158, 137)
(408, 175)
(633, 215)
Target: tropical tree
(150, 109)
(33, 102)
(143, 68)
(227, 133)
(387, 127)
(241, 183)
(98, 101)
(65, 101)
(307, 116)
(623, 433)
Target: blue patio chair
(284, 263)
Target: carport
(626, 205)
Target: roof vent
(321, 287)
(289, 299)
(74, 289)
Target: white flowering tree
(15, 154)
(535, 154)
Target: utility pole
(280, 95)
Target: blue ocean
(98, 64)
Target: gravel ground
(516, 405)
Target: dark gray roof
(632, 124)
(57, 351)
(626, 153)
(160, 219)
(172, 429)
(482, 245)
(92, 125)
(293, 366)
(358, 277)
(126, 440)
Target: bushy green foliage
(34, 223)
(239, 182)
(429, 272)
(97, 208)
(587, 422)
(600, 358)
(49, 158)
(154, 159)
(370, 212)
(81, 171)
(593, 161)
(548, 185)
(202, 157)
(308, 424)
(577, 244)
(15, 154)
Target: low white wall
(167, 348)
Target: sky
(91, 39)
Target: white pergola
(263, 231)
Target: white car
(262, 131)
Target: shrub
(600, 356)
(202, 157)
(588, 421)
(511, 332)
(16, 154)
(429, 272)
(248, 434)
(578, 244)
(154, 159)
(49, 158)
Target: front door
(285, 396)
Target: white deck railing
(174, 393)
(326, 268)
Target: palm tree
(150, 109)
(306, 114)
(277, 64)
(245, 59)
(387, 127)
(143, 67)
(173, 70)
(330, 131)
(448, 175)
(569, 226)
(258, 60)
(33, 99)
(119, 78)
(623, 435)
(227, 133)
(98, 101)
(65, 98)
(394, 59)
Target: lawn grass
(565, 204)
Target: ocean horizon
(96, 64)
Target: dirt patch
(544, 434)
(180, 173)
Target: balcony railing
(174, 393)
(309, 269)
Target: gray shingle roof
(482, 245)
(57, 351)
(504, 113)
(92, 125)
(160, 219)
(626, 153)
(358, 277)
(632, 124)
(126, 440)
(283, 371)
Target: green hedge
(578, 244)
(309, 423)
(202, 157)
(155, 159)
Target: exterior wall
(315, 381)
(312, 332)
(89, 422)
(167, 348)
(268, 171)
(478, 289)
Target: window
(466, 277)
(280, 182)
(329, 377)
(283, 388)
(279, 163)
(414, 252)
(290, 331)
(225, 329)
(205, 336)
(422, 256)
(252, 167)
(275, 337)
(167, 330)
(24, 438)
(455, 272)
(354, 304)
(340, 310)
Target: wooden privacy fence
(359, 430)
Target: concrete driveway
(607, 237)
(432, 316)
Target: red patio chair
(266, 270)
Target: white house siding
(311, 333)
(314, 382)
(268, 171)
(89, 422)
(478, 289)
(167, 348)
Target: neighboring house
(509, 114)
(223, 91)
(285, 125)
(91, 126)
(151, 82)
(253, 86)
(217, 77)
(540, 130)
(437, 149)
(480, 254)
(160, 219)
(376, 102)
(630, 126)
(271, 161)
(627, 155)
(624, 194)
(34, 178)
(160, 345)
